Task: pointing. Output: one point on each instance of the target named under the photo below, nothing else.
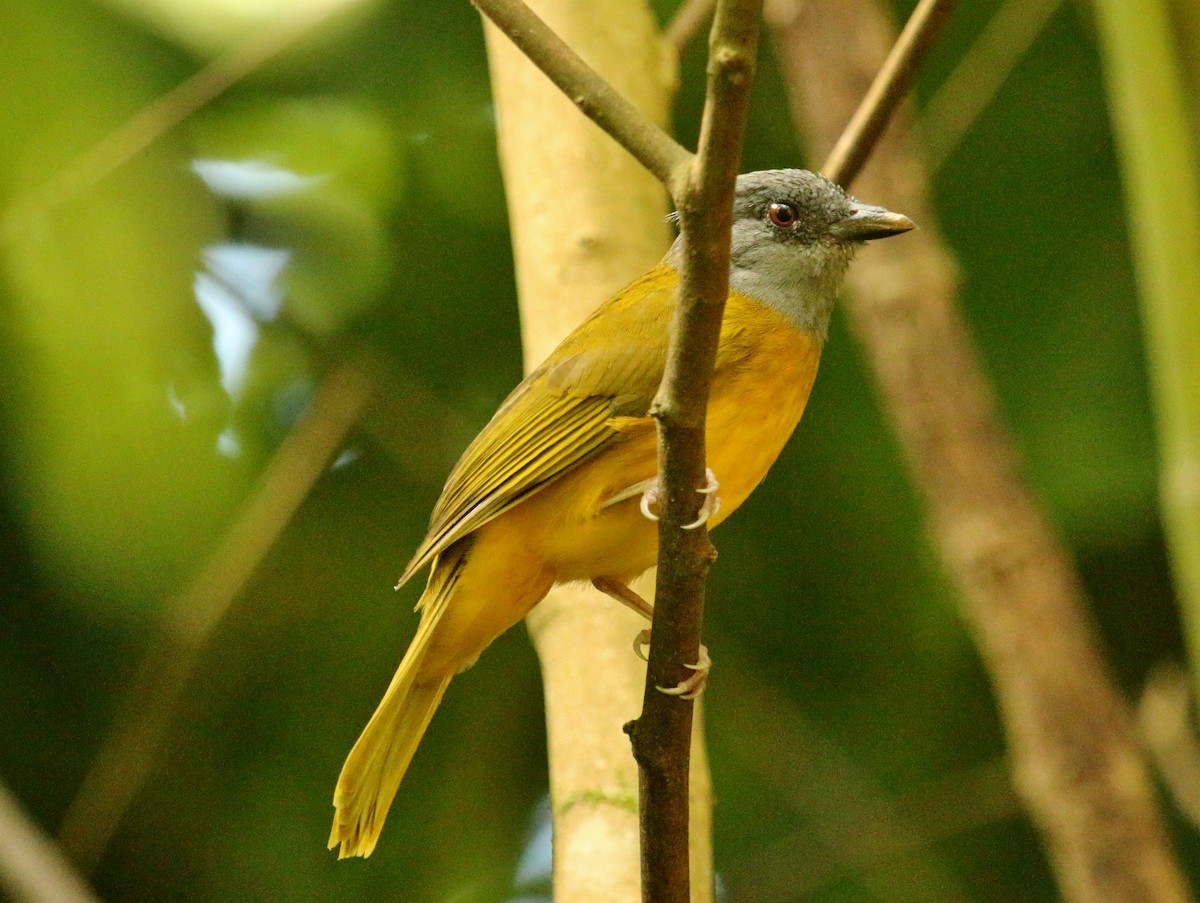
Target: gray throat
(807, 304)
(802, 286)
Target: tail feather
(376, 765)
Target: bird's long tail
(376, 765)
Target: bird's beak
(867, 222)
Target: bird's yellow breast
(755, 404)
(764, 373)
(765, 369)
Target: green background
(843, 672)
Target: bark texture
(1076, 761)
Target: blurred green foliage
(127, 443)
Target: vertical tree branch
(660, 735)
(1158, 133)
(586, 218)
(704, 196)
(1076, 761)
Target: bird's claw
(712, 501)
(693, 686)
(649, 497)
(639, 641)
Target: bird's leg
(712, 501)
(685, 689)
(615, 589)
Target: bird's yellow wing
(573, 406)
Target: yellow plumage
(523, 508)
(531, 501)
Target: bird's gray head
(794, 233)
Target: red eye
(782, 215)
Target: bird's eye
(782, 215)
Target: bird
(560, 485)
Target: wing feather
(567, 411)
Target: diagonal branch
(890, 86)
(596, 98)
(130, 751)
(164, 113)
(32, 867)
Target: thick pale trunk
(586, 218)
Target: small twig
(1077, 766)
(986, 65)
(596, 98)
(662, 733)
(131, 748)
(689, 19)
(890, 87)
(32, 867)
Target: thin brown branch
(596, 98)
(1077, 764)
(687, 22)
(661, 735)
(129, 752)
(553, 160)
(889, 88)
(32, 867)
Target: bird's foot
(693, 686)
(689, 688)
(712, 501)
